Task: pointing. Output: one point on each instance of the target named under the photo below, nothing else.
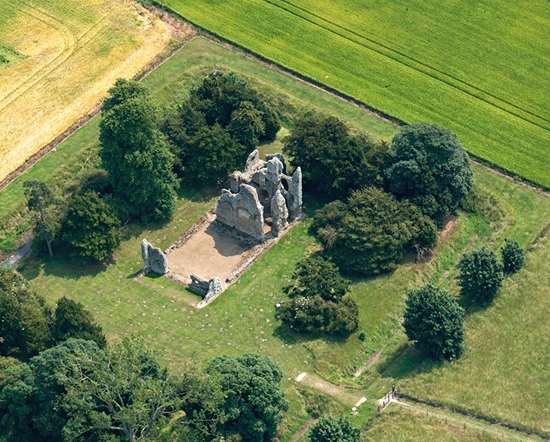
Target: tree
(212, 154)
(202, 402)
(427, 165)
(480, 275)
(25, 318)
(254, 402)
(72, 320)
(180, 126)
(220, 94)
(76, 391)
(90, 226)
(372, 231)
(136, 155)
(317, 275)
(315, 315)
(42, 204)
(246, 125)
(16, 410)
(435, 322)
(334, 162)
(512, 257)
(330, 429)
(122, 91)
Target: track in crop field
(71, 44)
(370, 43)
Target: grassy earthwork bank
(477, 68)
(242, 320)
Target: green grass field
(398, 425)
(477, 68)
(243, 318)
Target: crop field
(57, 60)
(242, 319)
(478, 68)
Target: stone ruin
(207, 289)
(154, 259)
(261, 191)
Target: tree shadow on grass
(289, 336)
(64, 266)
(406, 362)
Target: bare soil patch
(210, 251)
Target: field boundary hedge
(342, 95)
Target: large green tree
(212, 154)
(427, 165)
(136, 155)
(334, 161)
(435, 322)
(254, 402)
(76, 391)
(25, 319)
(72, 320)
(371, 232)
(480, 275)
(220, 94)
(90, 226)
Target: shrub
(330, 429)
(72, 320)
(512, 256)
(25, 318)
(317, 275)
(480, 275)
(373, 232)
(435, 322)
(136, 155)
(427, 165)
(314, 315)
(91, 227)
(254, 402)
(334, 162)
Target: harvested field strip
(413, 63)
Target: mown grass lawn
(478, 68)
